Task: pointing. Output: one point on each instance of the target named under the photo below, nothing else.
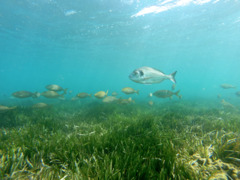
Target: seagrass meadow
(171, 140)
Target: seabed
(91, 140)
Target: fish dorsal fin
(150, 68)
(158, 70)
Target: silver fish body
(51, 94)
(166, 94)
(55, 87)
(227, 86)
(25, 94)
(148, 75)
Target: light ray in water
(169, 4)
(70, 12)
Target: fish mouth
(133, 79)
(130, 76)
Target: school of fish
(142, 75)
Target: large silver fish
(148, 75)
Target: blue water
(88, 46)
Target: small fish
(227, 86)
(227, 104)
(74, 98)
(55, 87)
(39, 105)
(83, 95)
(62, 98)
(52, 94)
(25, 94)
(101, 94)
(109, 99)
(114, 93)
(166, 94)
(238, 93)
(125, 101)
(129, 90)
(148, 75)
(150, 103)
(6, 108)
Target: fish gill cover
(70, 106)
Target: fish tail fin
(177, 94)
(137, 91)
(65, 91)
(36, 95)
(172, 77)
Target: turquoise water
(92, 46)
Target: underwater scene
(120, 89)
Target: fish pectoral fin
(146, 78)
